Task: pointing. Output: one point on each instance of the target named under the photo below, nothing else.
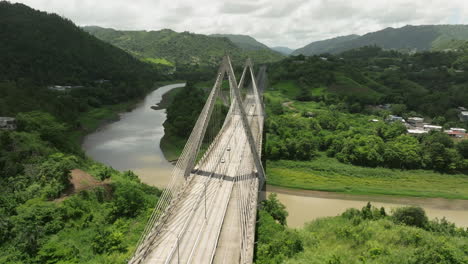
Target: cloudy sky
(291, 23)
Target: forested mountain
(407, 38)
(52, 50)
(283, 50)
(243, 41)
(324, 46)
(56, 205)
(38, 50)
(181, 48)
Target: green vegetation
(183, 48)
(369, 235)
(43, 220)
(407, 39)
(328, 174)
(324, 46)
(34, 58)
(181, 120)
(158, 61)
(325, 130)
(51, 212)
(243, 41)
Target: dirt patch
(288, 105)
(80, 181)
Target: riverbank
(167, 99)
(328, 174)
(98, 117)
(132, 143)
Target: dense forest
(167, 46)
(370, 235)
(39, 50)
(57, 206)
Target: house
(432, 128)
(101, 81)
(393, 118)
(7, 123)
(463, 116)
(462, 130)
(456, 132)
(416, 121)
(63, 88)
(415, 132)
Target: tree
(107, 241)
(462, 148)
(44, 124)
(411, 215)
(128, 200)
(390, 131)
(362, 150)
(398, 109)
(275, 208)
(54, 173)
(404, 152)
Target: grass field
(158, 61)
(328, 174)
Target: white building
(456, 129)
(432, 128)
(7, 123)
(63, 88)
(464, 116)
(393, 118)
(417, 131)
(416, 121)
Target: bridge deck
(195, 233)
(209, 217)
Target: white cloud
(292, 23)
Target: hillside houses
(416, 126)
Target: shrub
(108, 241)
(411, 215)
(276, 209)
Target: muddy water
(132, 143)
(304, 206)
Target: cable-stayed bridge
(207, 213)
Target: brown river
(132, 143)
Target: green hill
(38, 50)
(52, 50)
(407, 38)
(181, 48)
(57, 205)
(323, 46)
(243, 41)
